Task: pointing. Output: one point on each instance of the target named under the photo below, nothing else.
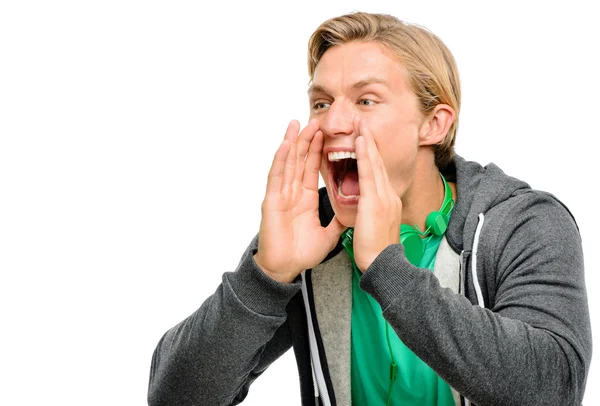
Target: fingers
(281, 162)
(291, 158)
(366, 178)
(310, 177)
(374, 173)
(305, 140)
(275, 178)
(364, 145)
(334, 230)
(378, 168)
(289, 172)
(306, 136)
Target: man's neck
(425, 195)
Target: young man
(414, 278)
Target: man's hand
(379, 210)
(291, 238)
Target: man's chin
(349, 223)
(345, 215)
(345, 210)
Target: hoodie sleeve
(213, 356)
(532, 345)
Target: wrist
(276, 276)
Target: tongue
(349, 185)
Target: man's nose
(338, 120)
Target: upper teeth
(336, 156)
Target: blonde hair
(432, 71)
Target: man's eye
(366, 102)
(320, 105)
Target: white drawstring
(474, 262)
(474, 273)
(318, 377)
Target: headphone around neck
(436, 224)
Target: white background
(135, 141)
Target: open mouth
(343, 169)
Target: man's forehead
(355, 65)
(358, 83)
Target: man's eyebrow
(316, 89)
(369, 81)
(361, 83)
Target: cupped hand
(291, 238)
(379, 211)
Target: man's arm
(533, 346)
(213, 356)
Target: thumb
(334, 230)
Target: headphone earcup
(413, 244)
(437, 222)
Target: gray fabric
(332, 290)
(447, 271)
(213, 356)
(530, 346)
(447, 266)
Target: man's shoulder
(536, 211)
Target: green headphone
(411, 237)
(436, 223)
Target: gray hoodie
(503, 318)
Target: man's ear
(436, 125)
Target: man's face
(363, 80)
